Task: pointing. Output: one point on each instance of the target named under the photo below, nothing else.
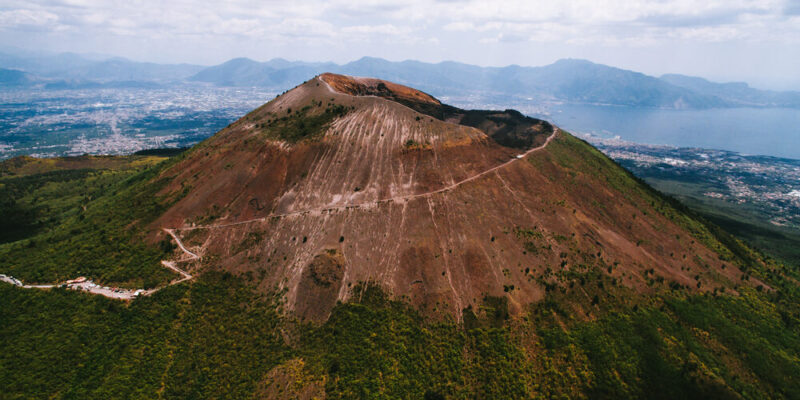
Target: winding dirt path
(318, 211)
(129, 294)
(86, 285)
(194, 256)
(171, 265)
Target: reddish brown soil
(357, 86)
(443, 251)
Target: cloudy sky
(756, 41)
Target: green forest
(217, 337)
(61, 224)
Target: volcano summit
(345, 180)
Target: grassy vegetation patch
(250, 240)
(412, 144)
(306, 123)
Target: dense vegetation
(216, 337)
(65, 223)
(213, 339)
(21, 218)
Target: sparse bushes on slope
(305, 123)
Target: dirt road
(370, 203)
(171, 232)
(111, 292)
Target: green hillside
(81, 219)
(217, 337)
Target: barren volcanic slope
(520, 261)
(344, 180)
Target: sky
(732, 40)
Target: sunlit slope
(330, 185)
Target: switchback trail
(171, 232)
(86, 285)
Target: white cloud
(443, 29)
(459, 26)
(12, 19)
(711, 20)
(385, 29)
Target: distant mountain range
(568, 80)
(73, 67)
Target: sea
(751, 131)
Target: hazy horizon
(102, 56)
(751, 41)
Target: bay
(756, 131)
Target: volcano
(346, 180)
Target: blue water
(771, 131)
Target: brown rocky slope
(345, 180)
